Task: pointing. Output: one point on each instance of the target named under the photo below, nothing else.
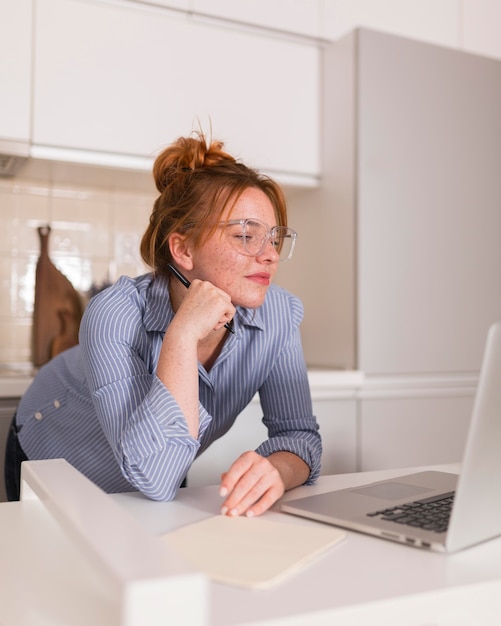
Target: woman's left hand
(254, 482)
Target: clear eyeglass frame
(254, 235)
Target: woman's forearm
(178, 370)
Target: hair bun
(185, 155)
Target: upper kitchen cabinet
(125, 79)
(301, 17)
(15, 71)
(407, 223)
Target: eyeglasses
(251, 236)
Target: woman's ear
(180, 250)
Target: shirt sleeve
(143, 423)
(286, 401)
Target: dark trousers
(14, 456)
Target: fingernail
(223, 492)
(233, 513)
(224, 510)
(250, 514)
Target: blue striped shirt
(101, 406)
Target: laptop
(432, 510)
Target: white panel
(182, 5)
(405, 432)
(294, 16)
(337, 421)
(133, 89)
(15, 69)
(427, 20)
(482, 27)
(429, 193)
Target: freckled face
(245, 278)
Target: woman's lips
(262, 278)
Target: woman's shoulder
(126, 297)
(124, 287)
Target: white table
(353, 575)
(361, 581)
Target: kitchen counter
(14, 380)
(367, 422)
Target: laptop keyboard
(429, 514)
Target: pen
(184, 281)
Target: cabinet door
(303, 17)
(128, 80)
(337, 419)
(15, 69)
(413, 431)
(429, 197)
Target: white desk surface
(361, 581)
(360, 570)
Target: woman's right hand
(203, 309)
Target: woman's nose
(269, 253)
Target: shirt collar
(250, 317)
(158, 311)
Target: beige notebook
(251, 552)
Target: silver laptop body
(476, 505)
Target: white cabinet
(337, 419)
(128, 79)
(426, 20)
(480, 27)
(15, 69)
(405, 425)
(428, 195)
(302, 17)
(407, 224)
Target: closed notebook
(251, 552)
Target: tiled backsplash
(95, 235)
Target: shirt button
(38, 415)
(57, 404)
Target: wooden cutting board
(58, 308)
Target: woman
(162, 369)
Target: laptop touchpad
(391, 490)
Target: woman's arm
(291, 455)
(145, 426)
(145, 389)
